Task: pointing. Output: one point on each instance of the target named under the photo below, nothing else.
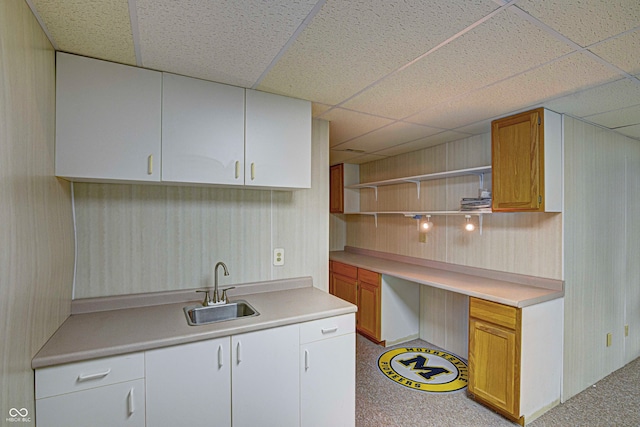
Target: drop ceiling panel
(100, 29)
(351, 44)
(607, 97)
(394, 134)
(422, 143)
(501, 47)
(586, 21)
(630, 131)
(573, 73)
(346, 125)
(337, 156)
(224, 41)
(618, 118)
(624, 51)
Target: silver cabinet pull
(329, 330)
(150, 164)
(220, 361)
(306, 360)
(96, 376)
(237, 169)
(253, 171)
(239, 352)
(131, 402)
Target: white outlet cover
(278, 256)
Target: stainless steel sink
(201, 315)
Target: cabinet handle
(150, 164)
(220, 361)
(239, 352)
(97, 376)
(131, 402)
(329, 330)
(306, 360)
(253, 171)
(237, 169)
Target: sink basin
(201, 315)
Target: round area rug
(424, 369)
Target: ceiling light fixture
(469, 225)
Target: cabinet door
(345, 288)
(108, 120)
(494, 365)
(189, 384)
(277, 141)
(336, 189)
(369, 321)
(266, 380)
(517, 162)
(202, 131)
(120, 404)
(327, 382)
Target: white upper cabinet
(277, 141)
(108, 120)
(202, 131)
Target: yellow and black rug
(424, 369)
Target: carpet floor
(614, 401)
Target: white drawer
(327, 328)
(78, 376)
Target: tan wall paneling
(337, 232)
(36, 254)
(516, 243)
(145, 238)
(632, 280)
(601, 253)
(444, 319)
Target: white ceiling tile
(337, 156)
(624, 52)
(618, 118)
(225, 41)
(571, 74)
(630, 131)
(318, 109)
(394, 134)
(499, 48)
(476, 128)
(351, 44)
(585, 21)
(346, 125)
(607, 97)
(422, 143)
(99, 29)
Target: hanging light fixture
(469, 225)
(426, 224)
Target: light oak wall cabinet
(526, 151)
(342, 199)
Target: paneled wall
(524, 243)
(602, 249)
(146, 238)
(36, 249)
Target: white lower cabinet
(189, 384)
(96, 393)
(328, 372)
(265, 385)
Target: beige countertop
(97, 334)
(505, 288)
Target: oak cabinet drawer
(368, 276)
(327, 328)
(78, 376)
(345, 270)
(493, 312)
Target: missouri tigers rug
(424, 369)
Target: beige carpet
(614, 401)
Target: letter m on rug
(419, 363)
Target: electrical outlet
(278, 256)
(609, 339)
(422, 237)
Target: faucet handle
(207, 298)
(224, 294)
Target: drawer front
(499, 314)
(370, 277)
(78, 376)
(327, 328)
(345, 270)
